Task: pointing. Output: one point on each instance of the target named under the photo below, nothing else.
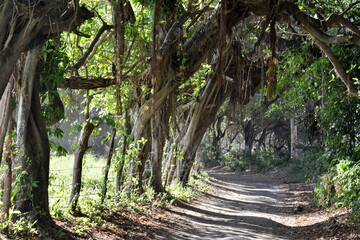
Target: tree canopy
(168, 76)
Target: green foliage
(167, 6)
(208, 155)
(61, 178)
(268, 161)
(302, 77)
(238, 160)
(23, 178)
(20, 228)
(55, 64)
(54, 146)
(23, 228)
(107, 119)
(198, 184)
(306, 77)
(310, 167)
(196, 83)
(340, 117)
(340, 187)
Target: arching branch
(322, 39)
(308, 25)
(338, 67)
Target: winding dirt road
(241, 206)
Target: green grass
(198, 184)
(61, 169)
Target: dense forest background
(154, 90)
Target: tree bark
(108, 164)
(124, 147)
(203, 115)
(7, 189)
(78, 162)
(5, 117)
(33, 152)
(25, 26)
(294, 138)
(157, 148)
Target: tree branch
(82, 60)
(77, 82)
(338, 67)
(335, 20)
(308, 26)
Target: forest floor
(237, 206)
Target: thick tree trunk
(78, 162)
(39, 151)
(26, 92)
(33, 151)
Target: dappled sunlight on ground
(240, 207)
(253, 206)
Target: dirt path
(241, 206)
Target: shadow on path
(240, 207)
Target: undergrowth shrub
(198, 184)
(90, 200)
(340, 187)
(310, 167)
(209, 156)
(263, 162)
(268, 161)
(238, 161)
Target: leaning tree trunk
(78, 162)
(215, 93)
(203, 116)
